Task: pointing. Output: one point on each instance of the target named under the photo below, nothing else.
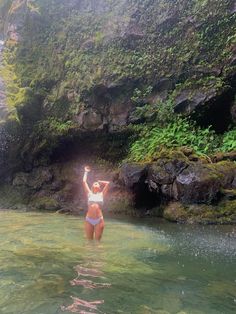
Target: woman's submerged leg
(89, 230)
(99, 230)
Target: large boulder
(90, 120)
(227, 170)
(164, 171)
(179, 179)
(199, 183)
(119, 114)
(202, 183)
(133, 173)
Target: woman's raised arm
(106, 184)
(85, 184)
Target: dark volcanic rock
(234, 183)
(198, 184)
(164, 172)
(233, 113)
(34, 180)
(179, 179)
(186, 102)
(132, 174)
(227, 171)
(90, 120)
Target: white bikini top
(95, 198)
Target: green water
(152, 267)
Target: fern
(229, 141)
(180, 132)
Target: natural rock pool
(139, 267)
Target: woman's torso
(95, 202)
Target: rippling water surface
(139, 267)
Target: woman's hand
(87, 169)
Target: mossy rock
(175, 212)
(229, 194)
(199, 183)
(45, 203)
(223, 156)
(227, 171)
(165, 170)
(120, 204)
(222, 213)
(12, 197)
(171, 154)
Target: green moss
(12, 197)
(14, 92)
(77, 51)
(44, 203)
(205, 84)
(171, 154)
(72, 50)
(222, 213)
(121, 207)
(229, 194)
(175, 212)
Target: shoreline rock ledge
(183, 191)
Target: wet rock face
(168, 30)
(90, 120)
(233, 112)
(164, 172)
(59, 187)
(198, 184)
(144, 194)
(109, 106)
(183, 191)
(181, 180)
(186, 102)
(105, 117)
(34, 180)
(132, 174)
(97, 53)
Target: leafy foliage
(140, 95)
(54, 127)
(180, 132)
(171, 131)
(162, 113)
(229, 141)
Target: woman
(94, 222)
